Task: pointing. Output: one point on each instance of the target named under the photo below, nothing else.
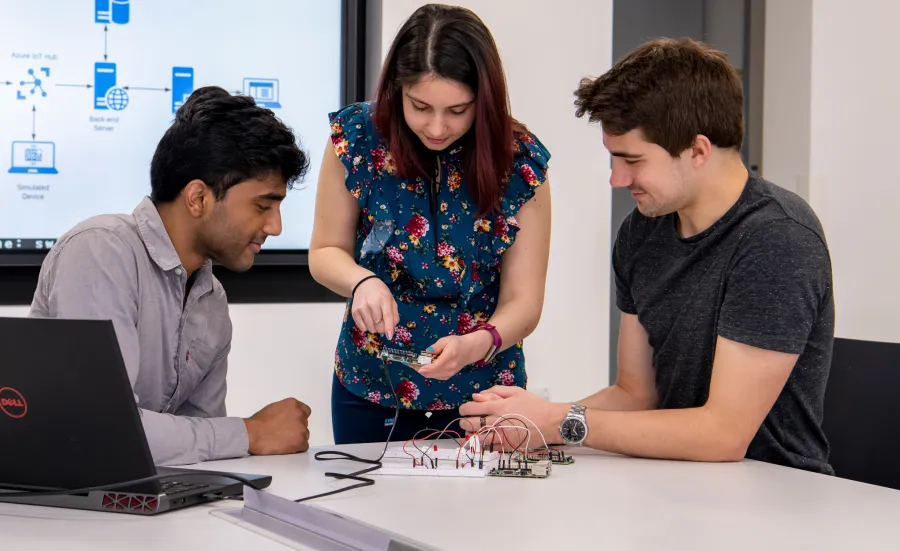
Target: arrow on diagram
(76, 85)
(105, 35)
(6, 83)
(145, 88)
(33, 113)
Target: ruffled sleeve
(351, 137)
(494, 236)
(529, 171)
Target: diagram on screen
(31, 157)
(182, 86)
(112, 11)
(263, 90)
(36, 84)
(109, 92)
(106, 95)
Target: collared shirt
(125, 269)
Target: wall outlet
(541, 391)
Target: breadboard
(396, 462)
(450, 471)
(442, 454)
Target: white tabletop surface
(600, 502)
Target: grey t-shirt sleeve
(94, 276)
(620, 260)
(775, 288)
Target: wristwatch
(495, 347)
(574, 429)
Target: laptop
(33, 158)
(68, 420)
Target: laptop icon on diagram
(264, 91)
(33, 158)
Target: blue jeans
(355, 420)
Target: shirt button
(177, 271)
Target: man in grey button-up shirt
(217, 179)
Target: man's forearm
(176, 440)
(615, 398)
(692, 434)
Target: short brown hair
(672, 90)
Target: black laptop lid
(68, 418)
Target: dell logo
(12, 403)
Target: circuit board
(406, 357)
(514, 468)
(556, 457)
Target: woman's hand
(455, 352)
(374, 309)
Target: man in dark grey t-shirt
(723, 280)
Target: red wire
(426, 438)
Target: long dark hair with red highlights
(452, 43)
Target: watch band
(495, 347)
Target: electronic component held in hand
(407, 357)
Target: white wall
(786, 96)
(854, 183)
(840, 129)
(546, 52)
(297, 361)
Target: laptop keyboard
(177, 486)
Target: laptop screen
(68, 417)
(33, 156)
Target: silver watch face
(573, 430)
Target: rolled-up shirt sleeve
(94, 276)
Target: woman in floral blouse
(433, 217)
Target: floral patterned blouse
(440, 262)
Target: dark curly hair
(223, 140)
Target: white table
(600, 502)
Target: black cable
(425, 451)
(376, 463)
(117, 485)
